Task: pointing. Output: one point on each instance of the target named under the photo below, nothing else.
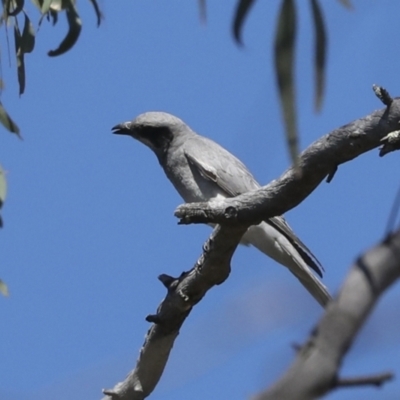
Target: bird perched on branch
(201, 171)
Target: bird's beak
(122, 129)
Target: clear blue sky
(88, 221)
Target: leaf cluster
(15, 14)
(284, 54)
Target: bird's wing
(219, 166)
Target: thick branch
(317, 162)
(315, 369)
(212, 268)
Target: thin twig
(383, 95)
(369, 380)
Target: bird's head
(154, 129)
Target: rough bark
(212, 268)
(319, 161)
(316, 368)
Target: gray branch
(321, 159)
(212, 268)
(370, 380)
(315, 369)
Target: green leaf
(20, 59)
(17, 36)
(50, 15)
(242, 9)
(28, 36)
(54, 16)
(3, 288)
(3, 187)
(97, 11)
(75, 26)
(284, 69)
(45, 6)
(59, 5)
(19, 5)
(8, 123)
(320, 53)
(51, 8)
(23, 44)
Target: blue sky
(88, 221)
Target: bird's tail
(307, 278)
(275, 244)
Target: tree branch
(318, 161)
(212, 268)
(371, 380)
(314, 371)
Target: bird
(203, 171)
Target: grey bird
(201, 171)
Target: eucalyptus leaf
(18, 7)
(28, 36)
(45, 6)
(50, 15)
(17, 36)
(75, 26)
(53, 15)
(3, 288)
(7, 121)
(3, 187)
(59, 5)
(320, 53)
(98, 12)
(20, 59)
(44, 9)
(243, 8)
(284, 68)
